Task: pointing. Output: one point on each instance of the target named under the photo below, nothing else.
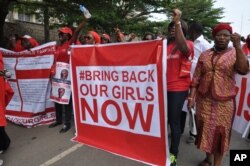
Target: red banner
(119, 93)
(30, 79)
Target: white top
(200, 45)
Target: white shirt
(200, 45)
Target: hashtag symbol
(81, 75)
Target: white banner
(31, 105)
(242, 114)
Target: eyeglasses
(88, 37)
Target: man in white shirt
(200, 44)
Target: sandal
(205, 162)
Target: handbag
(185, 68)
(192, 122)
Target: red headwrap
(106, 36)
(19, 47)
(222, 26)
(96, 36)
(32, 41)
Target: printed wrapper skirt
(214, 123)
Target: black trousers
(4, 139)
(67, 110)
(176, 118)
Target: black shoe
(54, 124)
(64, 129)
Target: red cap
(222, 26)
(66, 30)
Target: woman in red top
(25, 42)
(105, 38)
(92, 37)
(179, 49)
(6, 94)
(66, 38)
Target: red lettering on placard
(94, 90)
(130, 93)
(242, 96)
(132, 116)
(139, 94)
(247, 112)
(96, 75)
(150, 76)
(118, 113)
(150, 94)
(86, 108)
(133, 77)
(133, 93)
(88, 75)
(141, 76)
(125, 76)
(138, 112)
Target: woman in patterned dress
(213, 90)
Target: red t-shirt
(174, 82)
(6, 94)
(61, 54)
(246, 50)
(18, 46)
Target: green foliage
(106, 14)
(198, 10)
(128, 15)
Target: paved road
(42, 146)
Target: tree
(130, 16)
(198, 10)
(4, 10)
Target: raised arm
(242, 64)
(78, 30)
(179, 35)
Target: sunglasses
(88, 37)
(62, 34)
(104, 39)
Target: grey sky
(237, 12)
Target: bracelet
(190, 98)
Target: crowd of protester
(209, 73)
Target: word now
(137, 118)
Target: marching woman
(213, 89)
(5, 95)
(66, 38)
